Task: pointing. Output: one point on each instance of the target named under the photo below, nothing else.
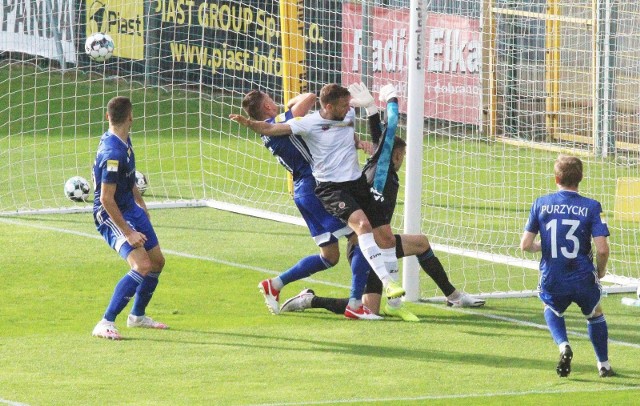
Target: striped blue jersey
(294, 155)
(566, 222)
(115, 163)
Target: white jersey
(332, 146)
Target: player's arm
(108, 201)
(262, 127)
(301, 104)
(366, 146)
(528, 243)
(387, 95)
(137, 196)
(375, 128)
(602, 255)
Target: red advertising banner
(452, 59)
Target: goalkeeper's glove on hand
(360, 97)
(387, 92)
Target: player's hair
(332, 92)
(568, 170)
(399, 143)
(119, 109)
(252, 104)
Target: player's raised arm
(262, 127)
(301, 104)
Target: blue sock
(124, 291)
(599, 334)
(144, 293)
(557, 327)
(359, 273)
(305, 267)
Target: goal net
(507, 87)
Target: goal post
(494, 91)
(415, 130)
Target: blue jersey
(294, 155)
(115, 163)
(566, 222)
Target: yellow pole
(552, 71)
(294, 72)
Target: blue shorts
(324, 228)
(586, 294)
(137, 219)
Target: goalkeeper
(381, 171)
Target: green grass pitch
(224, 347)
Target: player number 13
(553, 227)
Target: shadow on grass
(244, 341)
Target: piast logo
(96, 14)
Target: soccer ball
(99, 47)
(77, 189)
(141, 182)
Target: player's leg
(373, 253)
(325, 231)
(373, 289)
(387, 242)
(393, 307)
(589, 302)
(553, 314)
(599, 335)
(372, 297)
(307, 299)
(338, 199)
(140, 265)
(418, 245)
(307, 266)
(335, 305)
(147, 287)
(379, 215)
(360, 270)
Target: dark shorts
(324, 228)
(344, 198)
(137, 219)
(585, 293)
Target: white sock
(395, 302)
(563, 345)
(373, 255)
(456, 295)
(390, 262)
(354, 303)
(277, 283)
(604, 364)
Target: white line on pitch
(167, 251)
(537, 326)
(338, 285)
(11, 403)
(444, 397)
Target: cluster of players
(337, 198)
